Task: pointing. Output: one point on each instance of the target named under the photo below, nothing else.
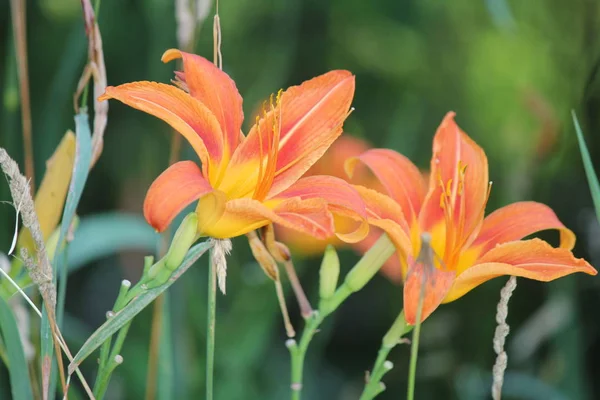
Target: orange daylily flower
(245, 183)
(469, 248)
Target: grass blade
(588, 166)
(18, 371)
(81, 166)
(134, 307)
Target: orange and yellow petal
(216, 90)
(310, 118)
(459, 168)
(518, 220)
(240, 216)
(342, 200)
(180, 110)
(177, 187)
(400, 177)
(425, 286)
(533, 259)
(333, 161)
(386, 214)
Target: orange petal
(216, 90)
(386, 214)
(312, 115)
(426, 283)
(517, 220)
(332, 162)
(181, 184)
(180, 110)
(241, 216)
(453, 149)
(401, 178)
(533, 259)
(342, 199)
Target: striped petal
(386, 214)
(425, 286)
(533, 259)
(180, 110)
(517, 220)
(216, 90)
(342, 200)
(241, 216)
(459, 167)
(177, 187)
(400, 177)
(310, 118)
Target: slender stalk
(382, 365)
(156, 331)
(20, 33)
(298, 352)
(391, 339)
(114, 360)
(210, 328)
(414, 353)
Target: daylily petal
(456, 158)
(180, 110)
(401, 178)
(426, 283)
(517, 220)
(342, 199)
(533, 259)
(241, 216)
(179, 185)
(386, 214)
(216, 90)
(310, 118)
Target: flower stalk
(360, 274)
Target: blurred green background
(512, 70)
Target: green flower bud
(329, 273)
(370, 263)
(182, 241)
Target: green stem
(111, 363)
(414, 353)
(382, 365)
(360, 274)
(298, 352)
(210, 328)
(374, 386)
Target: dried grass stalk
(502, 331)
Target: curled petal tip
(170, 55)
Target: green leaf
(19, 373)
(134, 307)
(588, 166)
(81, 167)
(101, 235)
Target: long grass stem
(210, 328)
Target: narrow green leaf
(588, 166)
(134, 307)
(18, 371)
(102, 235)
(83, 156)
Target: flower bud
(329, 273)
(182, 241)
(370, 263)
